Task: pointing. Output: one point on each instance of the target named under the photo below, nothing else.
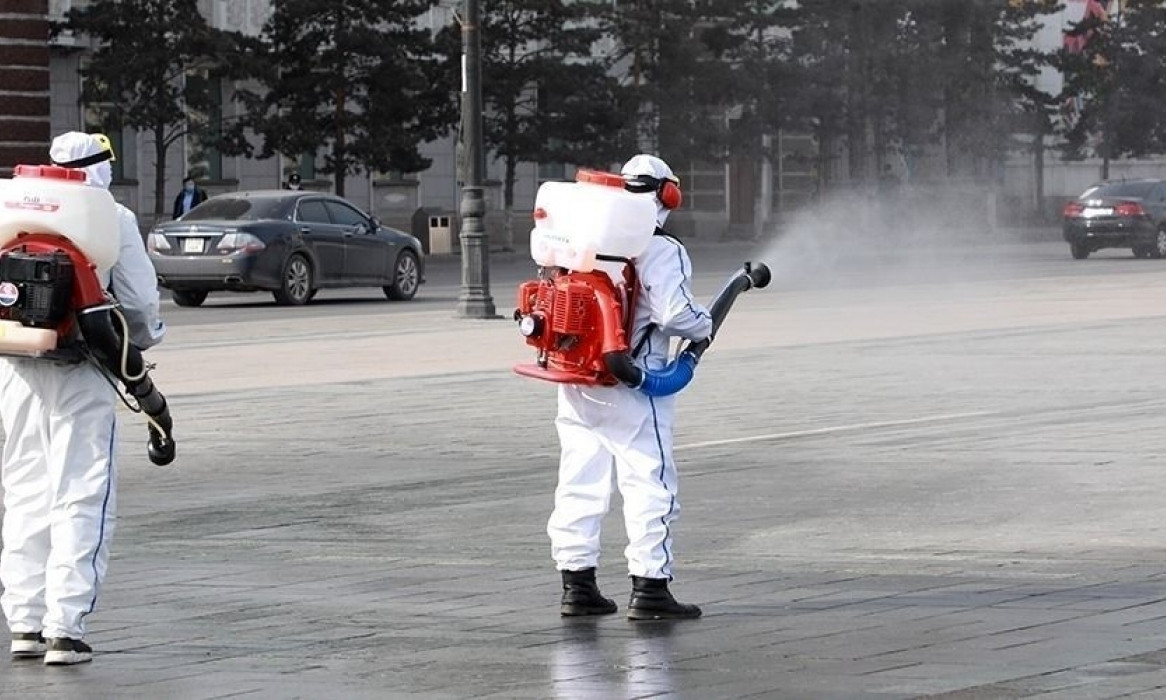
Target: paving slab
(930, 476)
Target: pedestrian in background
(190, 197)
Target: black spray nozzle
(760, 275)
(161, 448)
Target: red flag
(1078, 36)
(1095, 8)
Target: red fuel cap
(597, 177)
(52, 172)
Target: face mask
(661, 214)
(99, 175)
(189, 187)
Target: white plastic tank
(595, 216)
(56, 200)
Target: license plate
(1098, 211)
(192, 245)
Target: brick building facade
(24, 83)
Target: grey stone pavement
(933, 472)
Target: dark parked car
(291, 243)
(1118, 214)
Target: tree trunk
(954, 45)
(1038, 158)
(825, 171)
(339, 160)
(856, 104)
(159, 172)
(508, 203)
(986, 160)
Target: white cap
(644, 164)
(650, 166)
(73, 146)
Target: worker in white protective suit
(59, 468)
(619, 428)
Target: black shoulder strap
(661, 232)
(648, 330)
(651, 327)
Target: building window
(551, 104)
(383, 176)
(307, 166)
(101, 119)
(552, 171)
(703, 185)
(304, 166)
(204, 128)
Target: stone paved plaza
(925, 475)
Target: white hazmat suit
(59, 469)
(619, 428)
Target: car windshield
(237, 209)
(1140, 190)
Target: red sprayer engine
(576, 314)
(44, 278)
(573, 320)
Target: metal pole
(1111, 98)
(474, 300)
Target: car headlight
(157, 241)
(232, 243)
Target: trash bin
(440, 234)
(437, 231)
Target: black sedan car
(291, 243)
(1118, 214)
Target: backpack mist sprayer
(578, 313)
(58, 236)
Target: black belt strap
(98, 157)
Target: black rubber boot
(651, 600)
(581, 595)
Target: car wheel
(406, 277)
(296, 283)
(1079, 250)
(1140, 252)
(1159, 248)
(188, 297)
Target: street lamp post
(474, 300)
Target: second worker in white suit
(619, 428)
(59, 467)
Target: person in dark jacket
(190, 197)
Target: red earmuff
(669, 194)
(667, 191)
